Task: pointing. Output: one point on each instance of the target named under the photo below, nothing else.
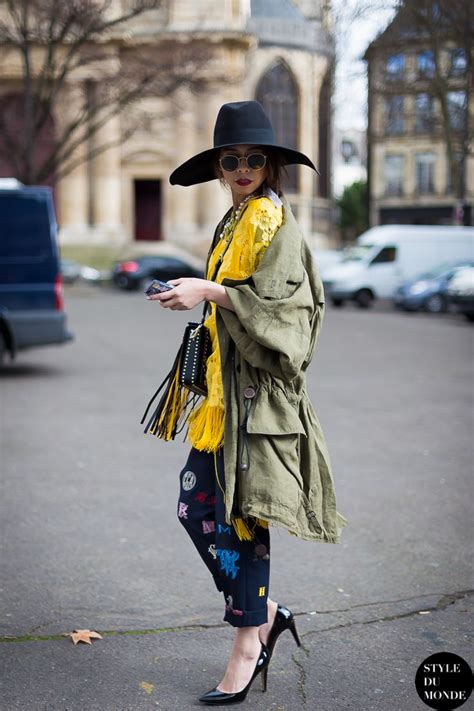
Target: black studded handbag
(196, 348)
(183, 385)
(186, 380)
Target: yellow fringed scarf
(260, 219)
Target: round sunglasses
(255, 161)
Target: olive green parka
(277, 465)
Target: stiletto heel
(284, 620)
(295, 634)
(222, 698)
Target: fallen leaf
(84, 636)
(146, 686)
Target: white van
(388, 255)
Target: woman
(258, 454)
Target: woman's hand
(188, 292)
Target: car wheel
(337, 302)
(435, 304)
(364, 298)
(123, 282)
(3, 348)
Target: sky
(353, 37)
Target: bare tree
(86, 46)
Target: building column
(72, 190)
(308, 144)
(104, 184)
(181, 201)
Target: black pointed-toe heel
(221, 698)
(284, 620)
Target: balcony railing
(394, 191)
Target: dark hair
(275, 169)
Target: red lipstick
(243, 182)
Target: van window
(387, 254)
(356, 253)
(24, 227)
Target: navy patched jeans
(241, 569)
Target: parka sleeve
(276, 333)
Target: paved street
(90, 537)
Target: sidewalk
(90, 537)
(361, 659)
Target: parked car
(94, 276)
(73, 271)
(429, 291)
(461, 292)
(70, 270)
(31, 285)
(387, 255)
(135, 273)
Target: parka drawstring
(244, 447)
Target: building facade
(279, 52)
(417, 81)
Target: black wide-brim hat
(238, 123)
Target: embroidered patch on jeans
(229, 607)
(182, 510)
(261, 592)
(227, 560)
(189, 481)
(208, 526)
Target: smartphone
(157, 287)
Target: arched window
(278, 93)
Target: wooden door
(147, 210)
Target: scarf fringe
(242, 530)
(206, 428)
(244, 533)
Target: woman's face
(243, 180)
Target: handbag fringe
(170, 415)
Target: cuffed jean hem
(243, 618)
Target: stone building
(279, 52)
(409, 176)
